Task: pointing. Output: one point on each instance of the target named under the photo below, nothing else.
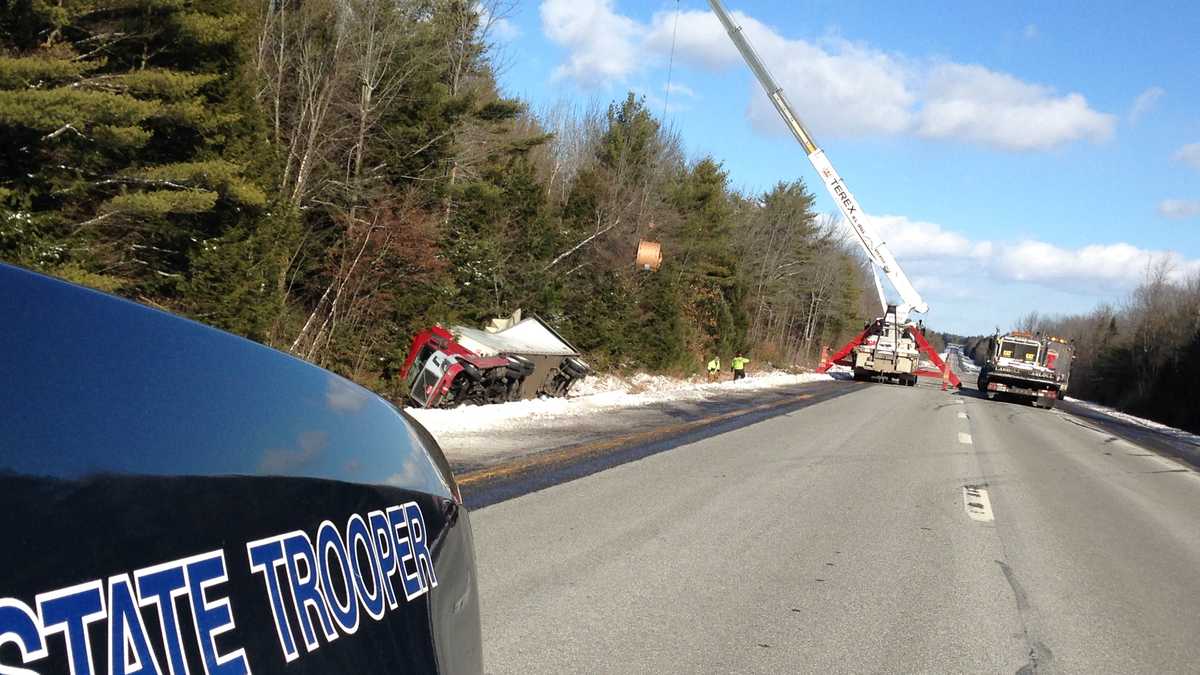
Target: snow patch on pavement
(594, 395)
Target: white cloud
(699, 38)
(505, 30)
(918, 240)
(940, 260)
(1118, 265)
(497, 27)
(602, 44)
(1189, 154)
(680, 89)
(840, 87)
(1179, 208)
(973, 103)
(1144, 103)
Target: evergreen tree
(708, 259)
(131, 130)
(330, 177)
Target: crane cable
(671, 62)
(663, 117)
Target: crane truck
(890, 346)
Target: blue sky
(1015, 157)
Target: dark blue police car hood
(173, 497)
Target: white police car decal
(387, 543)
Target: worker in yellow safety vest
(714, 368)
(739, 366)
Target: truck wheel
(514, 389)
(463, 391)
(575, 367)
(471, 371)
(519, 365)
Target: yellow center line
(552, 457)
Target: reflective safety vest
(739, 362)
(714, 364)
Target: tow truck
(890, 346)
(514, 359)
(1027, 366)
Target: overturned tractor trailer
(517, 359)
(1029, 367)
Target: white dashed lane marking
(965, 438)
(977, 504)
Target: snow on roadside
(595, 395)
(1178, 434)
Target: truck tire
(574, 367)
(464, 390)
(471, 371)
(519, 366)
(514, 389)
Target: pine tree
(709, 259)
(132, 128)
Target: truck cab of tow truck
(1016, 350)
(1018, 367)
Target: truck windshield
(1018, 351)
(418, 365)
(420, 381)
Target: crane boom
(878, 286)
(877, 250)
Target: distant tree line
(329, 176)
(1142, 357)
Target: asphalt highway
(891, 529)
